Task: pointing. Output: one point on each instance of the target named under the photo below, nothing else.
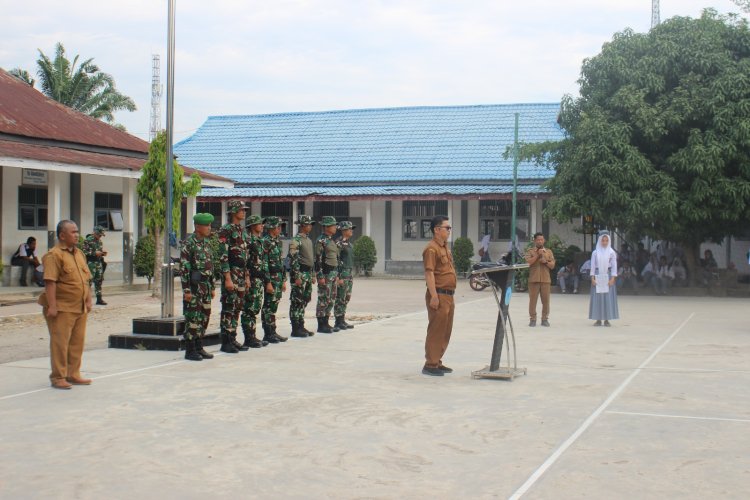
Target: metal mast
(155, 120)
(654, 13)
(167, 284)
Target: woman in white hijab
(603, 305)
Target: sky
(244, 57)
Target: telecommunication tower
(654, 13)
(155, 126)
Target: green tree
(463, 251)
(365, 254)
(143, 260)
(82, 87)
(658, 142)
(742, 4)
(151, 190)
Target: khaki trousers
(535, 290)
(67, 333)
(439, 327)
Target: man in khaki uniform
(541, 260)
(66, 302)
(440, 276)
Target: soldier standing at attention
(197, 278)
(326, 267)
(301, 262)
(345, 281)
(275, 279)
(254, 294)
(440, 276)
(233, 261)
(93, 249)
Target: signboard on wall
(30, 177)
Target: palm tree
(83, 87)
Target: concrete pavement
(655, 407)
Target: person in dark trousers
(26, 258)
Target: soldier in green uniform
(301, 277)
(275, 280)
(345, 282)
(93, 249)
(233, 261)
(326, 267)
(254, 294)
(197, 277)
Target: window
(417, 215)
(210, 207)
(338, 209)
(108, 211)
(32, 207)
(281, 209)
(495, 218)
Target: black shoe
(297, 330)
(200, 350)
(598, 323)
(279, 337)
(545, 322)
(253, 342)
(435, 372)
(228, 347)
(340, 323)
(606, 323)
(445, 369)
(239, 346)
(323, 326)
(268, 335)
(308, 332)
(333, 328)
(191, 353)
(532, 322)
(100, 302)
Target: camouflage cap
(254, 219)
(235, 206)
(305, 219)
(99, 230)
(346, 224)
(203, 219)
(273, 221)
(328, 221)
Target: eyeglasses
(447, 228)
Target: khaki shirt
(303, 244)
(437, 258)
(538, 272)
(71, 273)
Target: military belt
(445, 291)
(305, 267)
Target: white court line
(664, 415)
(590, 420)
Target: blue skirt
(604, 305)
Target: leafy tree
(742, 4)
(82, 87)
(151, 190)
(365, 254)
(463, 251)
(145, 254)
(658, 142)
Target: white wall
(91, 184)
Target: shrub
(143, 260)
(365, 255)
(463, 251)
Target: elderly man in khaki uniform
(440, 276)
(66, 302)
(541, 260)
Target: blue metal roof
(451, 143)
(369, 191)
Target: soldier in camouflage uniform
(275, 280)
(301, 277)
(254, 294)
(233, 259)
(93, 249)
(326, 267)
(197, 278)
(344, 284)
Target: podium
(501, 278)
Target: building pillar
(388, 235)
(54, 206)
(532, 222)
(464, 218)
(368, 219)
(224, 215)
(191, 207)
(129, 227)
(295, 216)
(450, 218)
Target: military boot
(268, 335)
(333, 328)
(323, 326)
(297, 330)
(251, 340)
(302, 326)
(200, 350)
(340, 323)
(226, 344)
(273, 330)
(237, 345)
(190, 352)
(343, 322)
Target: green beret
(201, 219)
